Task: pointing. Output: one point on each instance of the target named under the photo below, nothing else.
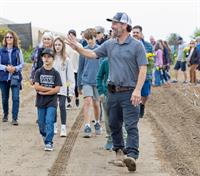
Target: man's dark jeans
(120, 110)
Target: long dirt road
(169, 142)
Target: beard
(116, 33)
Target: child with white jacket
(63, 65)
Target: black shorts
(180, 65)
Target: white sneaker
(55, 128)
(48, 147)
(63, 132)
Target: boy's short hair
(89, 33)
(72, 31)
(138, 27)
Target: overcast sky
(157, 17)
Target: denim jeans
(46, 118)
(120, 110)
(5, 90)
(157, 75)
(166, 75)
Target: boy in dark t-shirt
(47, 84)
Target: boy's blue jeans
(46, 118)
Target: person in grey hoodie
(87, 73)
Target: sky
(157, 17)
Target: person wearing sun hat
(127, 73)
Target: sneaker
(142, 110)
(97, 127)
(5, 118)
(174, 81)
(55, 128)
(108, 146)
(15, 123)
(48, 147)
(130, 164)
(119, 159)
(185, 82)
(77, 102)
(63, 132)
(117, 162)
(87, 132)
(69, 106)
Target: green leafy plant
(27, 54)
(196, 33)
(172, 39)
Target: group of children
(53, 78)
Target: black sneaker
(77, 102)
(69, 106)
(15, 123)
(5, 118)
(142, 110)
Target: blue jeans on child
(157, 75)
(46, 118)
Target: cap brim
(47, 54)
(111, 19)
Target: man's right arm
(86, 52)
(71, 41)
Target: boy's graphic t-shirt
(47, 78)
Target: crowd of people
(113, 73)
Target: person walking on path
(47, 84)
(74, 58)
(195, 61)
(11, 65)
(181, 61)
(146, 89)
(127, 73)
(102, 77)
(87, 73)
(63, 65)
(36, 58)
(158, 64)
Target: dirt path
(169, 140)
(22, 151)
(21, 147)
(90, 159)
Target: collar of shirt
(128, 40)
